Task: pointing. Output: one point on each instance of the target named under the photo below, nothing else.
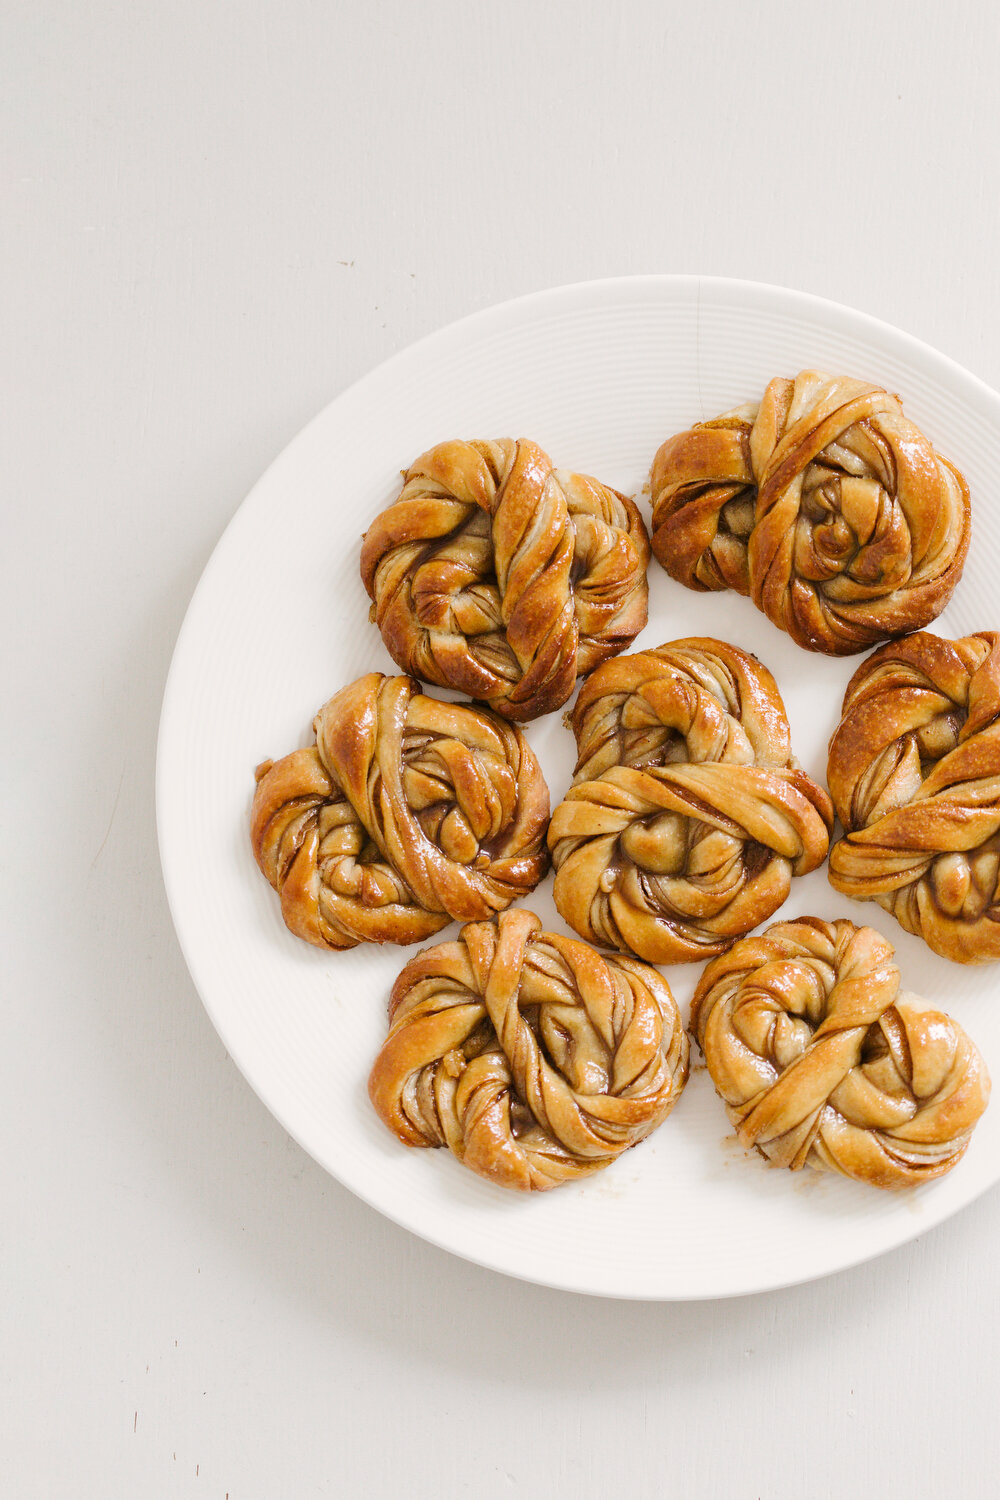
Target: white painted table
(218, 215)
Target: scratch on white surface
(107, 831)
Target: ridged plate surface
(599, 374)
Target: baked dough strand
(914, 771)
(824, 503)
(688, 817)
(533, 1058)
(406, 813)
(494, 574)
(820, 1060)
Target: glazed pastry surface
(821, 1061)
(407, 812)
(532, 1057)
(914, 771)
(688, 816)
(824, 504)
(501, 577)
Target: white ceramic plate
(598, 374)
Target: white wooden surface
(217, 216)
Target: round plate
(599, 374)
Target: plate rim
(473, 323)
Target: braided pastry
(406, 813)
(915, 775)
(824, 504)
(532, 1057)
(501, 577)
(688, 815)
(820, 1060)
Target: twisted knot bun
(824, 504)
(407, 813)
(688, 816)
(914, 771)
(501, 577)
(532, 1057)
(820, 1061)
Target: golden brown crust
(688, 816)
(824, 504)
(406, 813)
(821, 1062)
(703, 493)
(499, 576)
(914, 771)
(535, 1059)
